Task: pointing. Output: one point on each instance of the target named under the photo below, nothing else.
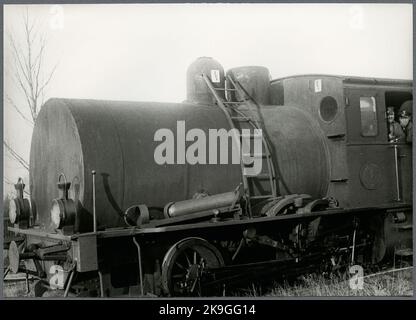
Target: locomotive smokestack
(197, 89)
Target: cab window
(368, 116)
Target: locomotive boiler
(109, 216)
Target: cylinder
(217, 201)
(255, 80)
(117, 140)
(197, 89)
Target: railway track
(387, 272)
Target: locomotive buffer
(247, 111)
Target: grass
(398, 284)
(17, 288)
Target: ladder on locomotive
(229, 107)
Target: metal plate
(85, 253)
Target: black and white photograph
(207, 150)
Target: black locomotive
(107, 218)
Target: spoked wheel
(186, 267)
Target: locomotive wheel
(185, 266)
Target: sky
(140, 52)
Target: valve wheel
(186, 265)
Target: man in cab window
(405, 120)
(396, 132)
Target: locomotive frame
(88, 259)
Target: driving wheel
(186, 267)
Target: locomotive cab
(367, 168)
(384, 166)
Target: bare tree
(16, 156)
(28, 74)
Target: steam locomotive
(104, 218)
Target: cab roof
(355, 80)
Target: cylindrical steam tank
(255, 80)
(197, 90)
(118, 140)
